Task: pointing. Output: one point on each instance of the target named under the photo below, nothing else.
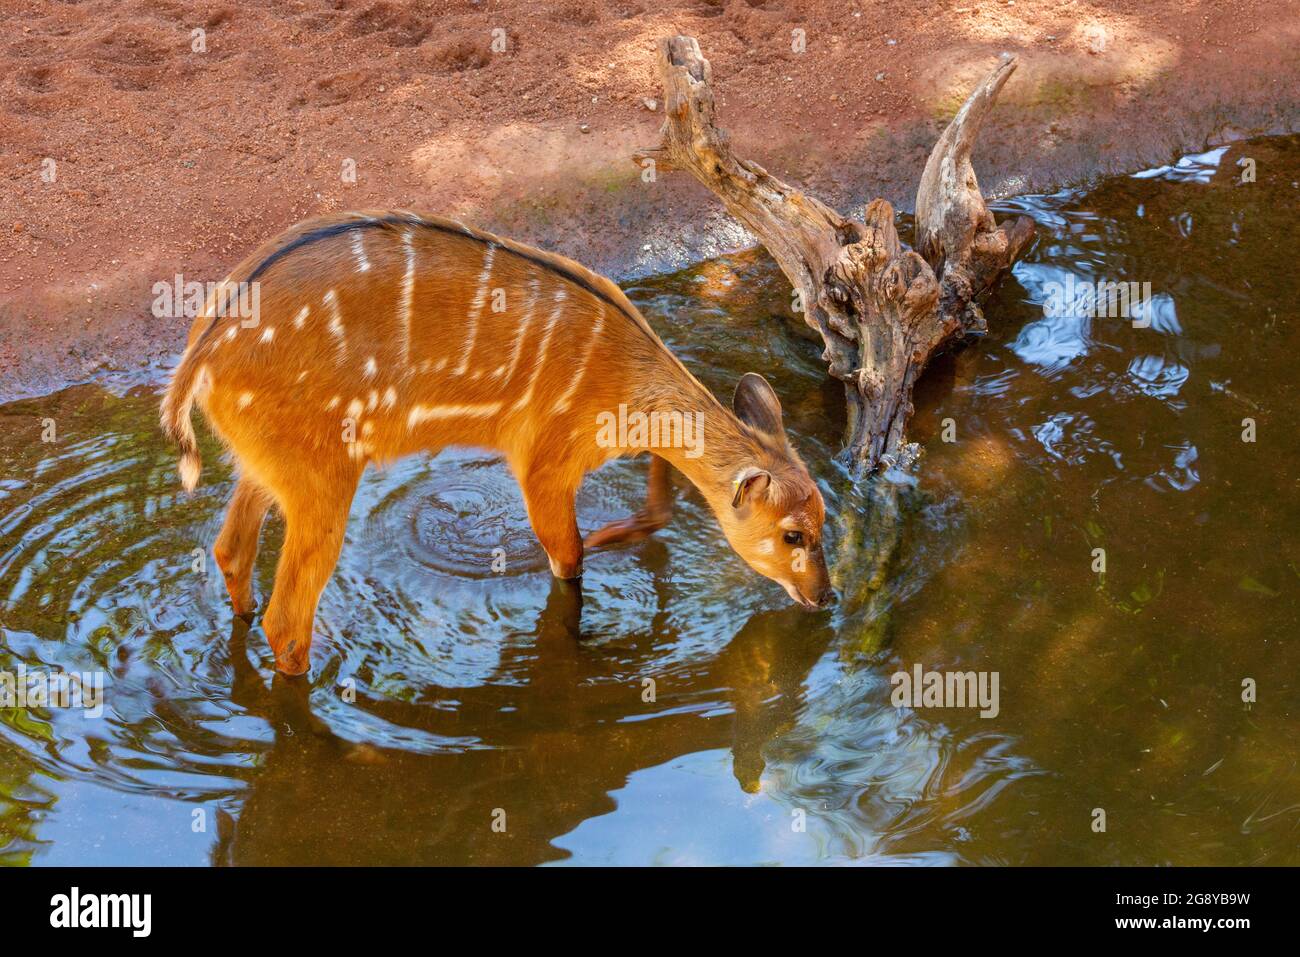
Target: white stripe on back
(408, 291)
(541, 350)
(331, 299)
(534, 287)
(596, 330)
(476, 308)
(359, 250)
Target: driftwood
(882, 310)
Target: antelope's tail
(176, 406)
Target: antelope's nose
(827, 597)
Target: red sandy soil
(174, 161)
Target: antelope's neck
(695, 434)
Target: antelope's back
(404, 325)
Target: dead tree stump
(882, 310)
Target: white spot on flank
(268, 334)
(564, 400)
(332, 404)
(354, 409)
(371, 368)
(422, 413)
(331, 300)
(476, 308)
(390, 397)
(534, 288)
(302, 375)
(359, 249)
(373, 402)
(245, 399)
(299, 319)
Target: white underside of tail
(176, 420)
(190, 467)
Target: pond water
(445, 697)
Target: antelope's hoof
(566, 571)
(293, 660)
(292, 667)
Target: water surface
(445, 696)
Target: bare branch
(955, 231)
(803, 234)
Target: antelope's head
(775, 516)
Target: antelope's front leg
(653, 516)
(551, 512)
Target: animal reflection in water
(554, 746)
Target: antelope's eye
(793, 538)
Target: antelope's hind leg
(236, 547)
(649, 519)
(315, 507)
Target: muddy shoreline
(174, 162)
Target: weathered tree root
(882, 310)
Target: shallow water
(445, 696)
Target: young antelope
(378, 335)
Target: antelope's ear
(748, 483)
(755, 403)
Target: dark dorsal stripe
(306, 239)
(338, 229)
